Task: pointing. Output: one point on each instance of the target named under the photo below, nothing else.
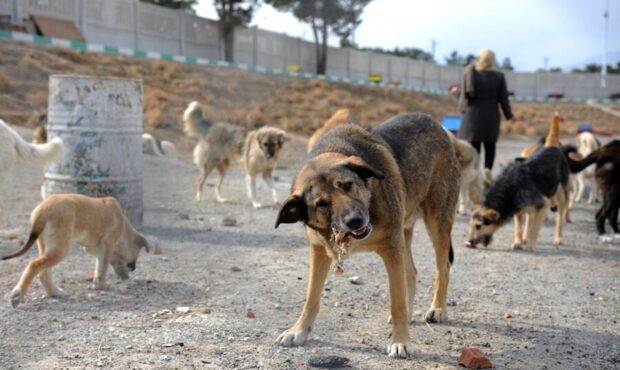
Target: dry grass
(299, 106)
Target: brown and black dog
(607, 175)
(362, 190)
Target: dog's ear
(283, 138)
(490, 215)
(293, 210)
(142, 242)
(362, 169)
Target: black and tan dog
(527, 186)
(362, 190)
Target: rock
(328, 362)
(182, 309)
(229, 221)
(249, 314)
(355, 280)
(89, 276)
(183, 216)
(474, 358)
(156, 249)
(201, 310)
(235, 269)
(508, 315)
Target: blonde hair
(486, 61)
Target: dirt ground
(564, 301)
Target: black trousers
(489, 152)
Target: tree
(325, 17)
(233, 13)
(345, 29)
(597, 68)
(413, 53)
(456, 59)
(507, 64)
(174, 4)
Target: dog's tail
(169, 149)
(339, 117)
(37, 229)
(149, 141)
(41, 153)
(195, 123)
(553, 136)
(578, 166)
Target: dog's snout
(131, 265)
(355, 222)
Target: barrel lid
(89, 77)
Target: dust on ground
(564, 301)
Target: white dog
(472, 177)
(473, 180)
(13, 148)
(586, 143)
(161, 148)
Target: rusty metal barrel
(100, 121)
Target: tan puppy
(222, 144)
(97, 224)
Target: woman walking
(482, 89)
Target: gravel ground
(564, 301)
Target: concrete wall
(135, 25)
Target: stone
(474, 358)
(250, 314)
(355, 280)
(156, 249)
(183, 216)
(229, 221)
(201, 310)
(327, 362)
(89, 276)
(508, 315)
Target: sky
(568, 33)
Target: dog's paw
(435, 315)
(16, 297)
(462, 210)
(517, 245)
(222, 200)
(99, 285)
(400, 349)
(606, 239)
(58, 294)
(198, 197)
(557, 241)
(292, 338)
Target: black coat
(481, 118)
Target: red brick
(474, 358)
